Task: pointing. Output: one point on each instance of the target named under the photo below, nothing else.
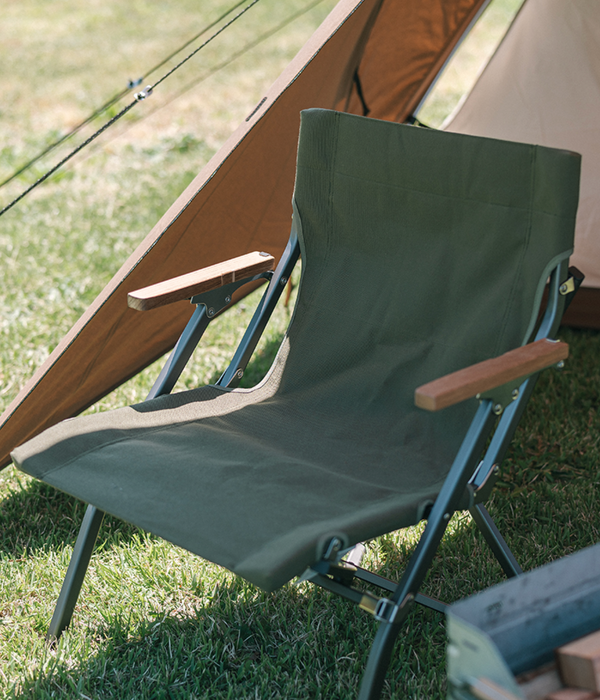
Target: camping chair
(423, 253)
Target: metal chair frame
(468, 484)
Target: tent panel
(407, 48)
(241, 201)
(543, 86)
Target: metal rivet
(564, 288)
(496, 469)
(283, 281)
(515, 394)
(446, 516)
(240, 373)
(210, 313)
(227, 300)
(497, 410)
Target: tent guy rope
(219, 66)
(118, 96)
(143, 94)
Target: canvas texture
(422, 252)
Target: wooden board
(579, 662)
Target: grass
(154, 621)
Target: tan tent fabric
(543, 86)
(408, 46)
(241, 201)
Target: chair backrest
(422, 252)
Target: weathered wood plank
(579, 662)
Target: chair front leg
(448, 500)
(78, 565)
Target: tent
(543, 86)
(374, 57)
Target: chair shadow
(244, 643)
(36, 516)
(299, 642)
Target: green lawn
(154, 621)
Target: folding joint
(369, 603)
(218, 299)
(386, 610)
(567, 287)
(333, 549)
(481, 484)
(342, 573)
(468, 500)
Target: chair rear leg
(495, 541)
(75, 573)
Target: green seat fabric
(422, 252)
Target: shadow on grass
(236, 642)
(37, 516)
(233, 641)
(299, 642)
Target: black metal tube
(75, 573)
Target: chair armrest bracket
(240, 270)
(218, 299)
(502, 396)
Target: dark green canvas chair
(423, 253)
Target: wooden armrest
(487, 375)
(204, 280)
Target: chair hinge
(568, 286)
(480, 485)
(217, 299)
(342, 573)
(384, 609)
(334, 548)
